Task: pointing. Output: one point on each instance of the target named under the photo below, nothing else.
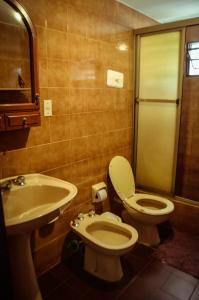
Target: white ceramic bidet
(105, 241)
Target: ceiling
(165, 11)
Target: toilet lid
(122, 178)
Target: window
(193, 59)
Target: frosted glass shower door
(157, 84)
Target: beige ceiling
(165, 11)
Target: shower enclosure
(166, 155)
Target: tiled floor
(144, 279)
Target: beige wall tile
(77, 48)
(39, 135)
(15, 163)
(79, 149)
(95, 100)
(42, 41)
(78, 100)
(60, 101)
(95, 145)
(78, 21)
(62, 172)
(56, 12)
(59, 128)
(85, 75)
(56, 44)
(96, 166)
(78, 125)
(60, 153)
(57, 73)
(43, 73)
(94, 51)
(40, 158)
(78, 172)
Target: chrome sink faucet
(20, 180)
(7, 184)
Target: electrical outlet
(47, 108)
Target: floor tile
(80, 281)
(160, 295)
(155, 274)
(138, 290)
(65, 292)
(141, 250)
(145, 278)
(136, 263)
(185, 276)
(179, 287)
(61, 272)
(48, 283)
(147, 283)
(195, 295)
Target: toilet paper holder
(96, 188)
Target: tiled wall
(78, 41)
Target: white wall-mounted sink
(27, 207)
(36, 203)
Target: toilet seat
(122, 178)
(161, 206)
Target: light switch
(47, 108)
(115, 79)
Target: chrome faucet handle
(80, 216)
(91, 213)
(6, 185)
(75, 223)
(20, 180)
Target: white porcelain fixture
(105, 241)
(36, 202)
(143, 211)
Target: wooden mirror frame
(34, 105)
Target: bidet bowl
(105, 241)
(106, 236)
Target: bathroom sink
(39, 201)
(30, 202)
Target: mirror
(18, 81)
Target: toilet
(142, 211)
(106, 238)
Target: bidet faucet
(91, 213)
(80, 216)
(75, 223)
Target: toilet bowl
(143, 211)
(105, 241)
